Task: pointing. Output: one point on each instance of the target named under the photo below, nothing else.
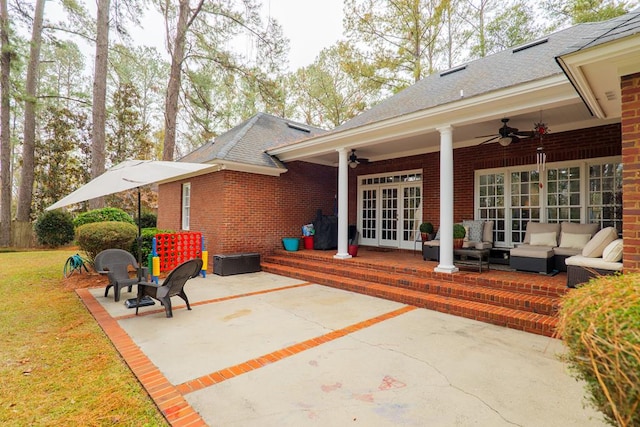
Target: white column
(343, 204)
(446, 201)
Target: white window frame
(583, 164)
(186, 205)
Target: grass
(56, 365)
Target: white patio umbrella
(133, 174)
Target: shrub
(600, 323)
(458, 231)
(54, 228)
(148, 220)
(95, 237)
(147, 236)
(102, 215)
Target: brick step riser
(521, 301)
(468, 293)
(442, 304)
(286, 258)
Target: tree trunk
(100, 95)
(5, 122)
(173, 88)
(25, 194)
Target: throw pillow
(475, 230)
(437, 235)
(574, 241)
(487, 232)
(543, 239)
(613, 251)
(595, 246)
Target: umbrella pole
(139, 238)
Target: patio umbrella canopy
(132, 174)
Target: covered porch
(467, 143)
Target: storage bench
(226, 265)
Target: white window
(605, 195)
(576, 191)
(186, 205)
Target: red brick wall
(630, 86)
(599, 141)
(243, 212)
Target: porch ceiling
(554, 100)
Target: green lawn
(57, 366)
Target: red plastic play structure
(175, 248)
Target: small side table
(474, 257)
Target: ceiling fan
(507, 135)
(354, 160)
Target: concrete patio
(265, 350)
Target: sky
(310, 26)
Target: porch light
(505, 141)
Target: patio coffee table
(472, 257)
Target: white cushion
(613, 251)
(541, 227)
(576, 241)
(487, 232)
(599, 263)
(595, 246)
(575, 228)
(543, 239)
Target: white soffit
(595, 72)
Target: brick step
(425, 271)
(516, 319)
(471, 292)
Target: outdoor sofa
(546, 246)
(601, 256)
(479, 235)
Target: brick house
(438, 151)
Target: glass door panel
(389, 216)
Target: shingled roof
(246, 143)
(522, 64)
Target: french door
(390, 209)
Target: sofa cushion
(487, 232)
(599, 263)
(475, 229)
(576, 241)
(575, 228)
(595, 246)
(541, 227)
(567, 251)
(530, 251)
(613, 251)
(543, 239)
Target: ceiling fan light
(505, 141)
(353, 165)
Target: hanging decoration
(540, 129)
(541, 159)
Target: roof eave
(592, 71)
(530, 96)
